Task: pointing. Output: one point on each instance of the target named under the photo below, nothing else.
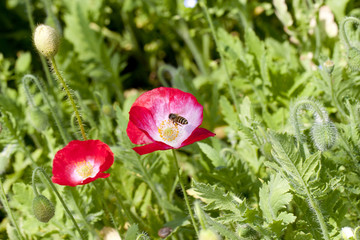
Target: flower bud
(354, 59)
(38, 119)
(47, 40)
(43, 209)
(329, 66)
(208, 234)
(324, 135)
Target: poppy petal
(197, 135)
(152, 147)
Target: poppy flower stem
(32, 78)
(122, 205)
(57, 194)
(7, 208)
(69, 95)
(184, 192)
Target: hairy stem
(7, 208)
(68, 93)
(184, 192)
(57, 194)
(343, 31)
(25, 81)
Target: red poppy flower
(81, 162)
(151, 124)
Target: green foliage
(284, 163)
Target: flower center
(84, 169)
(168, 130)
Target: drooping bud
(354, 58)
(43, 209)
(329, 66)
(208, 234)
(47, 40)
(38, 119)
(324, 135)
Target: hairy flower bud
(164, 232)
(43, 209)
(38, 119)
(354, 59)
(324, 135)
(329, 66)
(47, 40)
(208, 234)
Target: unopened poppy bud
(208, 234)
(38, 119)
(43, 209)
(354, 59)
(324, 135)
(329, 66)
(107, 109)
(47, 40)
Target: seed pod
(164, 232)
(354, 59)
(208, 234)
(38, 119)
(43, 209)
(46, 40)
(324, 135)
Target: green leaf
(274, 196)
(228, 112)
(216, 198)
(212, 154)
(132, 232)
(281, 11)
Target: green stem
(343, 31)
(200, 215)
(231, 89)
(58, 195)
(122, 205)
(308, 104)
(25, 80)
(184, 192)
(183, 32)
(149, 181)
(68, 93)
(8, 210)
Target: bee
(176, 119)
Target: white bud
(347, 233)
(47, 40)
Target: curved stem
(47, 101)
(343, 31)
(309, 104)
(183, 31)
(68, 93)
(168, 68)
(231, 89)
(59, 197)
(184, 192)
(8, 210)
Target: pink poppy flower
(81, 162)
(151, 124)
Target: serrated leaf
(212, 154)
(228, 112)
(274, 196)
(282, 12)
(216, 198)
